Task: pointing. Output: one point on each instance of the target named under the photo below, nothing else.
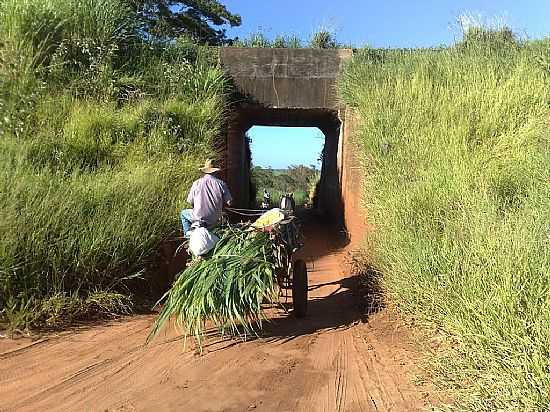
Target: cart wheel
(299, 288)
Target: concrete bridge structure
(293, 87)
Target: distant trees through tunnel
(285, 160)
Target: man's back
(208, 196)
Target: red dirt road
(333, 360)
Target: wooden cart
(291, 273)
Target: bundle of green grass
(226, 288)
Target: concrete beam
(286, 78)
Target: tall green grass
(321, 39)
(456, 150)
(102, 134)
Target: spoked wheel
(299, 288)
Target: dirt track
(334, 360)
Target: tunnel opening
(239, 162)
(286, 161)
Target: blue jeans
(186, 217)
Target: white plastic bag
(201, 241)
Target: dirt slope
(334, 360)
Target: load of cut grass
(226, 288)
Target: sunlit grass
(456, 149)
(101, 137)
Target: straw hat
(209, 167)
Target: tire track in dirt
(330, 361)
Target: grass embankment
(101, 136)
(456, 149)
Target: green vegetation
(170, 19)
(301, 181)
(322, 39)
(227, 287)
(456, 148)
(107, 108)
(101, 135)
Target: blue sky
(280, 147)
(377, 23)
(386, 23)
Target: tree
(199, 19)
(301, 175)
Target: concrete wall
(350, 175)
(236, 168)
(295, 87)
(286, 78)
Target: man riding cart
(208, 196)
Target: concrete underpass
(293, 88)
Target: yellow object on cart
(269, 219)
